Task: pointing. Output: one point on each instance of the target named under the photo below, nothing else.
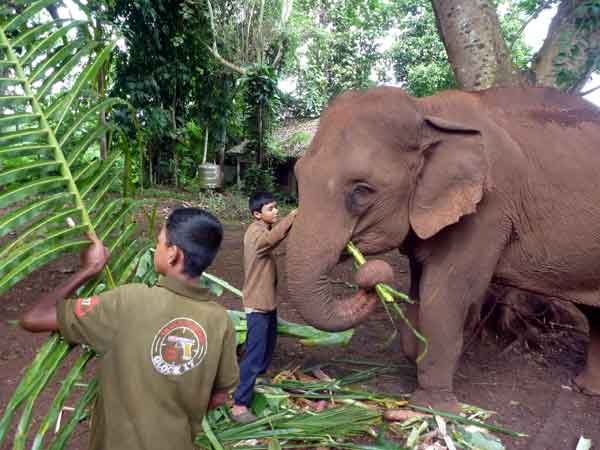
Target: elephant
(496, 186)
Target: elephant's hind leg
(588, 381)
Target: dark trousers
(260, 344)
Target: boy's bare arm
(267, 240)
(42, 315)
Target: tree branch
(261, 43)
(223, 61)
(247, 45)
(213, 50)
(566, 59)
(277, 56)
(589, 91)
(534, 16)
(286, 12)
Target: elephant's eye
(360, 198)
(362, 189)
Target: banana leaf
(308, 335)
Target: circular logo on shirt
(179, 346)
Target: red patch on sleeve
(85, 305)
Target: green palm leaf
(44, 138)
(48, 128)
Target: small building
(289, 142)
(292, 139)
(238, 153)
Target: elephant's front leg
(456, 273)
(409, 342)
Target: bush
(258, 179)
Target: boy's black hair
(198, 234)
(260, 199)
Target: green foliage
(262, 100)
(252, 32)
(164, 74)
(301, 137)
(421, 64)
(418, 54)
(297, 428)
(427, 79)
(577, 42)
(512, 22)
(189, 152)
(338, 48)
(47, 128)
(259, 179)
(217, 105)
(253, 39)
(530, 7)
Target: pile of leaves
(307, 408)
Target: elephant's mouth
(369, 246)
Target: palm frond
(48, 128)
(48, 122)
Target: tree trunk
(174, 143)
(176, 168)
(150, 167)
(141, 152)
(475, 45)
(222, 147)
(259, 144)
(579, 45)
(480, 57)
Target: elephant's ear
(452, 177)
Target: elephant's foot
(442, 400)
(586, 384)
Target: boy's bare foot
(241, 414)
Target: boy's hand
(217, 399)
(293, 214)
(94, 257)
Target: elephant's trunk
(311, 255)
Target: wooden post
(205, 145)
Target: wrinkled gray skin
(501, 185)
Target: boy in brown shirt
(260, 304)
(167, 352)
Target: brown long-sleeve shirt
(260, 273)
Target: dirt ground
(529, 389)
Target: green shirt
(164, 350)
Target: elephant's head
(376, 169)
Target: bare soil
(529, 389)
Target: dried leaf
(400, 415)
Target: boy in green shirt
(167, 352)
